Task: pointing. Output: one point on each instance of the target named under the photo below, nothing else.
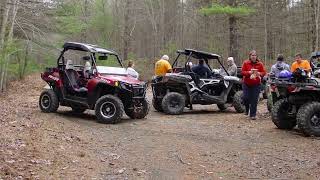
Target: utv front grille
(139, 91)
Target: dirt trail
(202, 144)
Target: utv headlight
(125, 86)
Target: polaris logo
(53, 78)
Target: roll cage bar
(92, 49)
(191, 53)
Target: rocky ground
(202, 144)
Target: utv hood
(126, 79)
(114, 74)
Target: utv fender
(101, 89)
(185, 87)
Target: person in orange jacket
(252, 71)
(300, 63)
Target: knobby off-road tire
(141, 112)
(173, 103)
(270, 103)
(308, 119)
(109, 109)
(157, 104)
(222, 107)
(238, 102)
(265, 94)
(280, 115)
(48, 101)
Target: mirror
(105, 57)
(86, 58)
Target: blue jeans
(251, 98)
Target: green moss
(227, 10)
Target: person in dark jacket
(202, 70)
(252, 71)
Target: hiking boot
(253, 118)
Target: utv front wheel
(280, 115)
(173, 103)
(48, 101)
(238, 102)
(157, 104)
(109, 109)
(140, 111)
(308, 119)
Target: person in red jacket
(252, 71)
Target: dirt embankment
(202, 144)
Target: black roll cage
(198, 55)
(92, 49)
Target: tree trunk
(9, 43)
(233, 37)
(313, 24)
(127, 31)
(234, 45)
(265, 30)
(4, 24)
(269, 25)
(317, 25)
(2, 42)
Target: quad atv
(103, 86)
(272, 95)
(315, 63)
(297, 102)
(184, 88)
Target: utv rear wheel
(238, 102)
(280, 115)
(48, 101)
(222, 107)
(109, 109)
(308, 119)
(140, 112)
(173, 103)
(157, 104)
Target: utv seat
(195, 77)
(72, 78)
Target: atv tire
(48, 101)
(308, 119)
(173, 103)
(222, 107)
(157, 104)
(109, 109)
(265, 95)
(238, 102)
(280, 115)
(141, 112)
(270, 103)
(78, 109)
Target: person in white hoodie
(131, 71)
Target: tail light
(291, 88)
(273, 88)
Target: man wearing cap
(162, 66)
